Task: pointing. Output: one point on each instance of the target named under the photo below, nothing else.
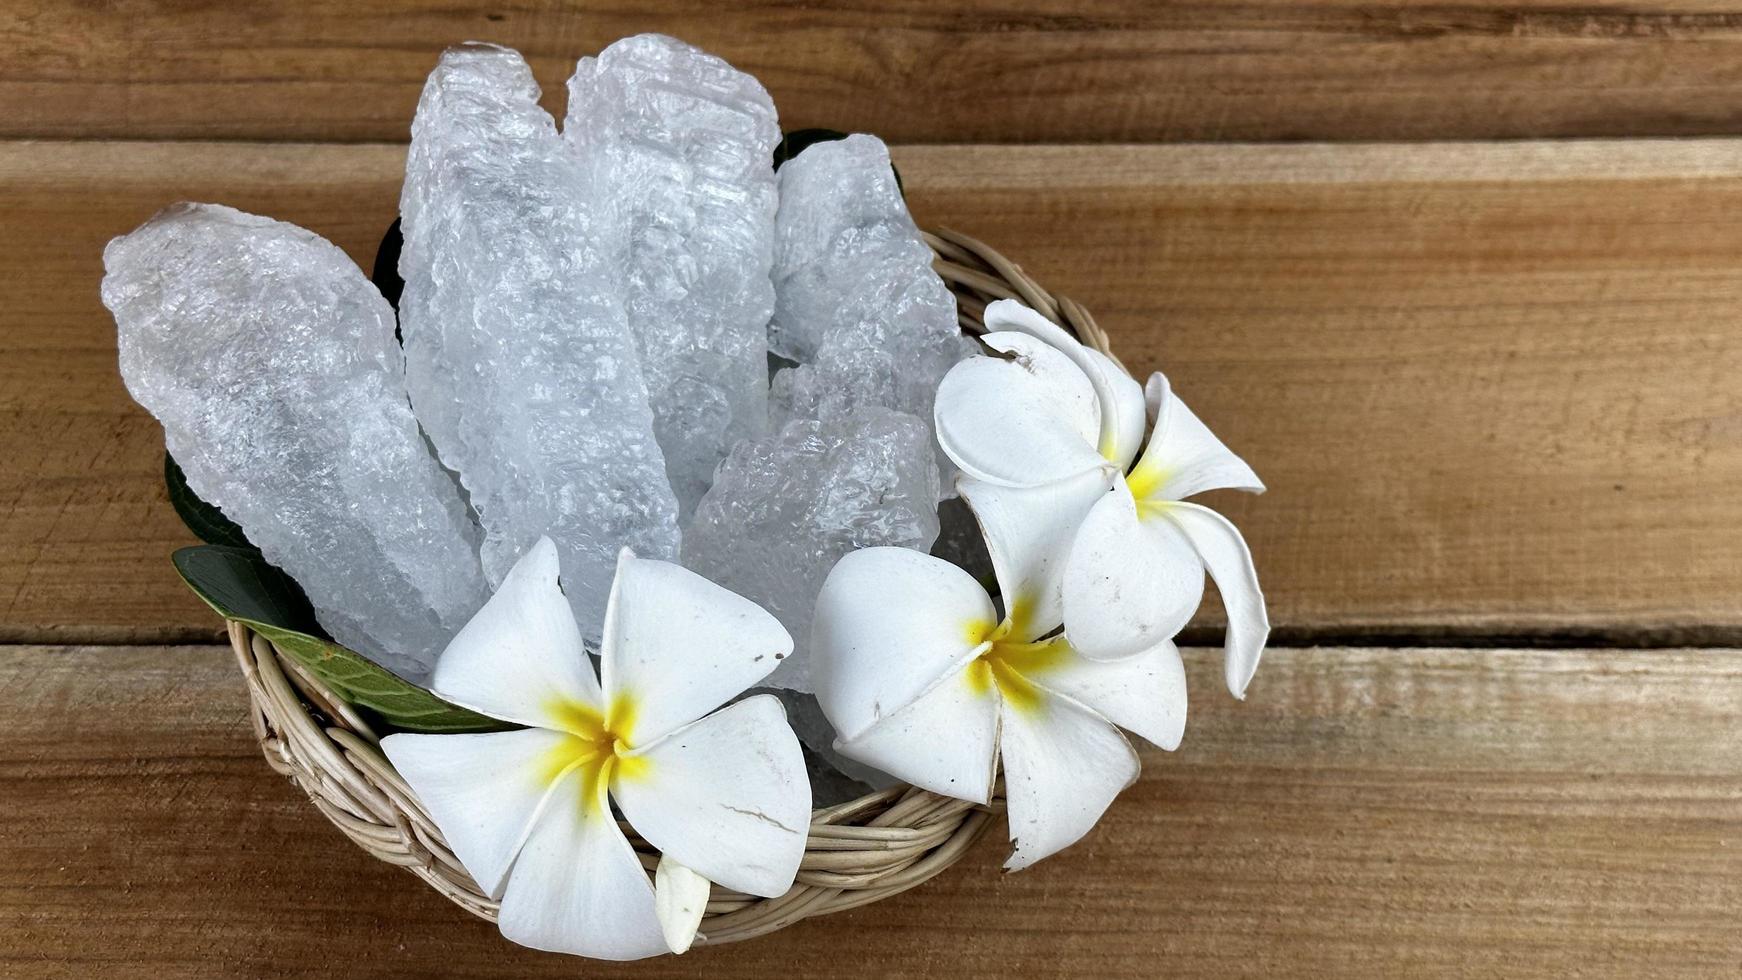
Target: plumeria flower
(1051, 412)
(924, 678)
(723, 796)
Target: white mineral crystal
(519, 358)
(271, 362)
(839, 207)
(783, 509)
(859, 304)
(679, 145)
(893, 338)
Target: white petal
(1118, 393)
(1184, 457)
(678, 646)
(889, 623)
(578, 886)
(680, 898)
(484, 791)
(520, 657)
(1028, 533)
(1144, 694)
(1023, 421)
(1063, 765)
(1124, 423)
(1155, 398)
(1129, 583)
(1224, 554)
(727, 796)
(946, 741)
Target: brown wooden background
(1492, 381)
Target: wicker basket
(858, 852)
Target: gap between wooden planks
(1407, 812)
(1491, 386)
(969, 71)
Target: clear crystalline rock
(839, 206)
(270, 361)
(783, 509)
(893, 338)
(859, 304)
(519, 358)
(678, 145)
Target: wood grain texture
(1366, 812)
(1491, 387)
(1007, 71)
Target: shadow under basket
(857, 852)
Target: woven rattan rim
(858, 852)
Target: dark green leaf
(206, 521)
(242, 586)
(794, 143)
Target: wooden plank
(1014, 71)
(1367, 812)
(1491, 386)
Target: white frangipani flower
(1136, 568)
(1054, 410)
(723, 797)
(923, 678)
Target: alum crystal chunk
(841, 211)
(679, 144)
(892, 339)
(271, 362)
(519, 358)
(783, 509)
(858, 303)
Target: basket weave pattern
(858, 852)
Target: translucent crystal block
(893, 337)
(875, 324)
(679, 145)
(271, 362)
(839, 206)
(783, 509)
(519, 358)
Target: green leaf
(240, 585)
(206, 521)
(795, 142)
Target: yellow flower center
(1145, 479)
(1145, 482)
(599, 746)
(1009, 664)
